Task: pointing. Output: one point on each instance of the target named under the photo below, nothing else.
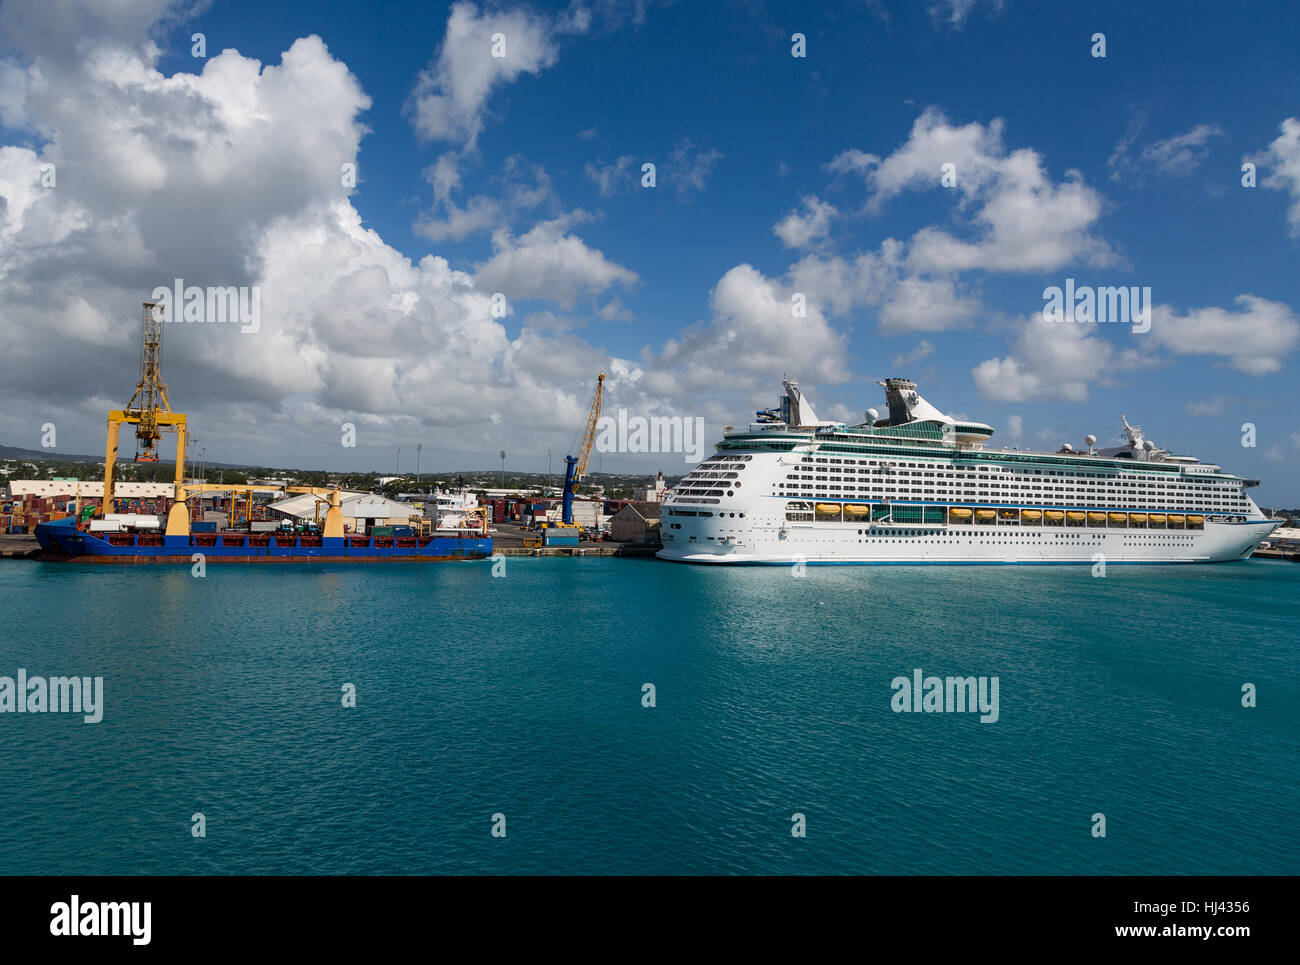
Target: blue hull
(62, 542)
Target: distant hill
(44, 455)
(480, 477)
(53, 455)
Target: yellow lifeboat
(1031, 514)
(957, 512)
(1057, 514)
(828, 509)
(857, 510)
(1177, 519)
(1096, 517)
(1073, 516)
(985, 514)
(1118, 517)
(1157, 518)
(1137, 517)
(1007, 513)
(1196, 520)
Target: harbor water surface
(522, 696)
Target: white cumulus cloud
(482, 51)
(1282, 157)
(801, 228)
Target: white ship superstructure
(921, 487)
(453, 510)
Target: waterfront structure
(360, 510)
(636, 522)
(72, 488)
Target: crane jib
(575, 467)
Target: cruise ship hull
(820, 544)
(923, 487)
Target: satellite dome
(1090, 439)
(873, 415)
(1149, 446)
(1067, 447)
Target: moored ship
(74, 539)
(63, 541)
(921, 487)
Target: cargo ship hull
(62, 542)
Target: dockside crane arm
(575, 467)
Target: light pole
(419, 448)
(548, 472)
(399, 460)
(503, 469)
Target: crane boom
(575, 467)
(593, 417)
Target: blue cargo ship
(63, 541)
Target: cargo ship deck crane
(149, 411)
(178, 520)
(575, 467)
(150, 398)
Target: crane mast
(575, 467)
(150, 397)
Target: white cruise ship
(920, 487)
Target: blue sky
(523, 174)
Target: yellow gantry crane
(575, 468)
(149, 411)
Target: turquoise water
(522, 696)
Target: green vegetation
(612, 485)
